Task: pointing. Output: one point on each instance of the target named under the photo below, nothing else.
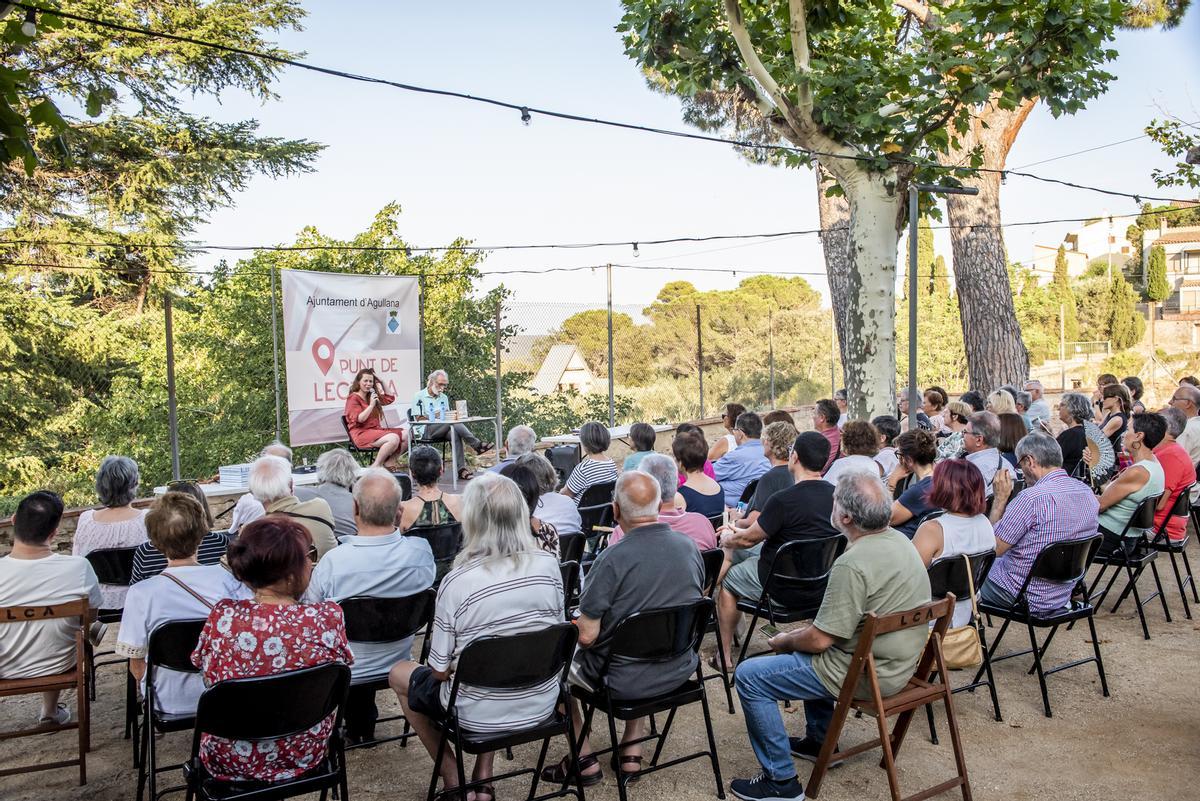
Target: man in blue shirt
(381, 563)
(746, 462)
(432, 403)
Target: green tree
(939, 281)
(1063, 297)
(1179, 144)
(588, 330)
(1125, 325)
(1157, 288)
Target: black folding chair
(113, 566)
(595, 510)
(714, 559)
(748, 492)
(570, 580)
(269, 708)
(383, 620)
(169, 647)
(506, 664)
(717, 521)
(795, 584)
(1063, 563)
(1163, 543)
(653, 636)
(405, 482)
(414, 440)
(570, 547)
(363, 455)
(445, 540)
(948, 576)
(1133, 556)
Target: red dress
(246, 638)
(367, 434)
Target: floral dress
(245, 638)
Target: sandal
(465, 474)
(629, 776)
(563, 772)
(485, 789)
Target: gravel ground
(1141, 743)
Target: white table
(454, 437)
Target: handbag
(960, 646)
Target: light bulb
(635, 250)
(29, 26)
(525, 116)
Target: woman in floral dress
(271, 634)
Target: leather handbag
(960, 646)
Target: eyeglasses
(442, 384)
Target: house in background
(1095, 239)
(1182, 248)
(563, 369)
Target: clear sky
(464, 169)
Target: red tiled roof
(1176, 238)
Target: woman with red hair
(964, 529)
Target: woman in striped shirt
(149, 561)
(596, 467)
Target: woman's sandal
(631, 776)
(487, 790)
(563, 773)
(465, 474)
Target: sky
(461, 169)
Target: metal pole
(771, 352)
(499, 394)
(275, 355)
(421, 325)
(700, 360)
(612, 411)
(172, 416)
(913, 402)
(1062, 346)
(1109, 248)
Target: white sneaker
(61, 716)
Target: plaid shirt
(1056, 509)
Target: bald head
(376, 498)
(636, 499)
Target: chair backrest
(660, 635)
(1143, 516)
(271, 707)
(564, 458)
(521, 660)
(346, 428)
(445, 539)
(570, 547)
(717, 521)
(405, 482)
(713, 559)
(801, 568)
(370, 619)
(570, 580)
(595, 507)
(748, 492)
(170, 645)
(1064, 562)
(1181, 508)
(948, 574)
(112, 565)
(32, 614)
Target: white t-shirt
(886, 458)
(559, 511)
(43, 647)
(856, 463)
(246, 510)
(964, 535)
(159, 600)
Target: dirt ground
(1141, 743)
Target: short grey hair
(1042, 448)
(1033, 382)
(277, 448)
(543, 471)
(117, 481)
(1192, 393)
(628, 508)
(435, 374)
(987, 425)
(377, 494)
(1176, 421)
(338, 467)
(521, 440)
(1024, 399)
(594, 437)
(495, 520)
(865, 499)
(270, 479)
(1078, 406)
(662, 468)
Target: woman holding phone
(364, 417)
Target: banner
(334, 325)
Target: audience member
(1103, 380)
(1136, 389)
(273, 633)
(545, 534)
(1023, 401)
(922, 419)
(964, 529)
(1038, 409)
(1052, 508)
(746, 462)
(183, 590)
(935, 400)
(860, 444)
(980, 441)
(799, 512)
(501, 584)
(825, 423)
(1186, 399)
(957, 418)
(596, 466)
(1144, 478)
(1179, 473)
(117, 524)
(1012, 429)
(1074, 410)
(248, 509)
(1114, 405)
(880, 572)
(521, 440)
(701, 493)
(643, 436)
(1001, 402)
(336, 471)
(888, 427)
(727, 441)
(973, 399)
(777, 442)
(915, 451)
(653, 566)
(377, 562)
(34, 575)
(685, 428)
(695, 527)
(842, 400)
(271, 484)
(552, 508)
(1190, 380)
(150, 561)
(428, 506)
(778, 416)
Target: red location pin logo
(322, 351)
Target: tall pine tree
(1060, 290)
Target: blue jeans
(995, 595)
(762, 683)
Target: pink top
(708, 471)
(690, 524)
(92, 535)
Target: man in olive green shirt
(880, 572)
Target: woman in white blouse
(116, 524)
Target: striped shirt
(1056, 509)
(493, 598)
(148, 561)
(590, 472)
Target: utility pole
(612, 414)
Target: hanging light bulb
(29, 26)
(635, 250)
(525, 116)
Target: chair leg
(1096, 582)
(616, 749)
(141, 763)
(437, 764)
(1096, 649)
(1187, 611)
(1162, 597)
(712, 744)
(1037, 664)
(888, 760)
(960, 760)
(749, 634)
(1190, 579)
(1045, 647)
(537, 771)
(836, 723)
(662, 738)
(987, 666)
(1137, 599)
(725, 681)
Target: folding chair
(384, 620)
(795, 584)
(716, 521)
(922, 690)
(262, 708)
(445, 540)
(714, 559)
(367, 453)
(169, 647)
(570, 580)
(748, 492)
(948, 576)
(414, 440)
(75, 679)
(1063, 563)
(570, 547)
(113, 566)
(1133, 556)
(596, 512)
(1164, 544)
(511, 663)
(654, 636)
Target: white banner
(334, 325)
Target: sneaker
(809, 750)
(96, 633)
(61, 716)
(764, 788)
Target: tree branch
(922, 13)
(799, 34)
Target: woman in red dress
(364, 417)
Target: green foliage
(1123, 363)
(1126, 325)
(1037, 314)
(939, 281)
(1157, 288)
(588, 331)
(1149, 220)
(1063, 297)
(941, 357)
(1180, 144)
